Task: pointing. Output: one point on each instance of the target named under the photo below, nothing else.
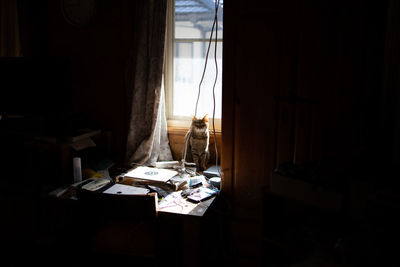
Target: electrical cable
(206, 60)
(215, 82)
(214, 26)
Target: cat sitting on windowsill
(196, 143)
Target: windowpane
(192, 28)
(188, 68)
(194, 19)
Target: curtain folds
(9, 29)
(147, 139)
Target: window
(188, 34)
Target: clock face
(79, 12)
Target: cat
(197, 140)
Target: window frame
(178, 121)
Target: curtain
(9, 29)
(147, 139)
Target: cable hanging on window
(214, 26)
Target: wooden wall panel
(250, 83)
(296, 75)
(288, 71)
(302, 133)
(284, 132)
(255, 105)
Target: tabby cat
(197, 140)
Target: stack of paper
(162, 178)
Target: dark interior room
(308, 144)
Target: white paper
(175, 203)
(153, 174)
(126, 190)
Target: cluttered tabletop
(179, 190)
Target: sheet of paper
(174, 203)
(126, 190)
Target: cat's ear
(205, 118)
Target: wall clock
(79, 12)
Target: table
(188, 215)
(187, 218)
(176, 204)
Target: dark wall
(302, 82)
(97, 54)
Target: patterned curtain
(9, 29)
(147, 140)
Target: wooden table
(187, 217)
